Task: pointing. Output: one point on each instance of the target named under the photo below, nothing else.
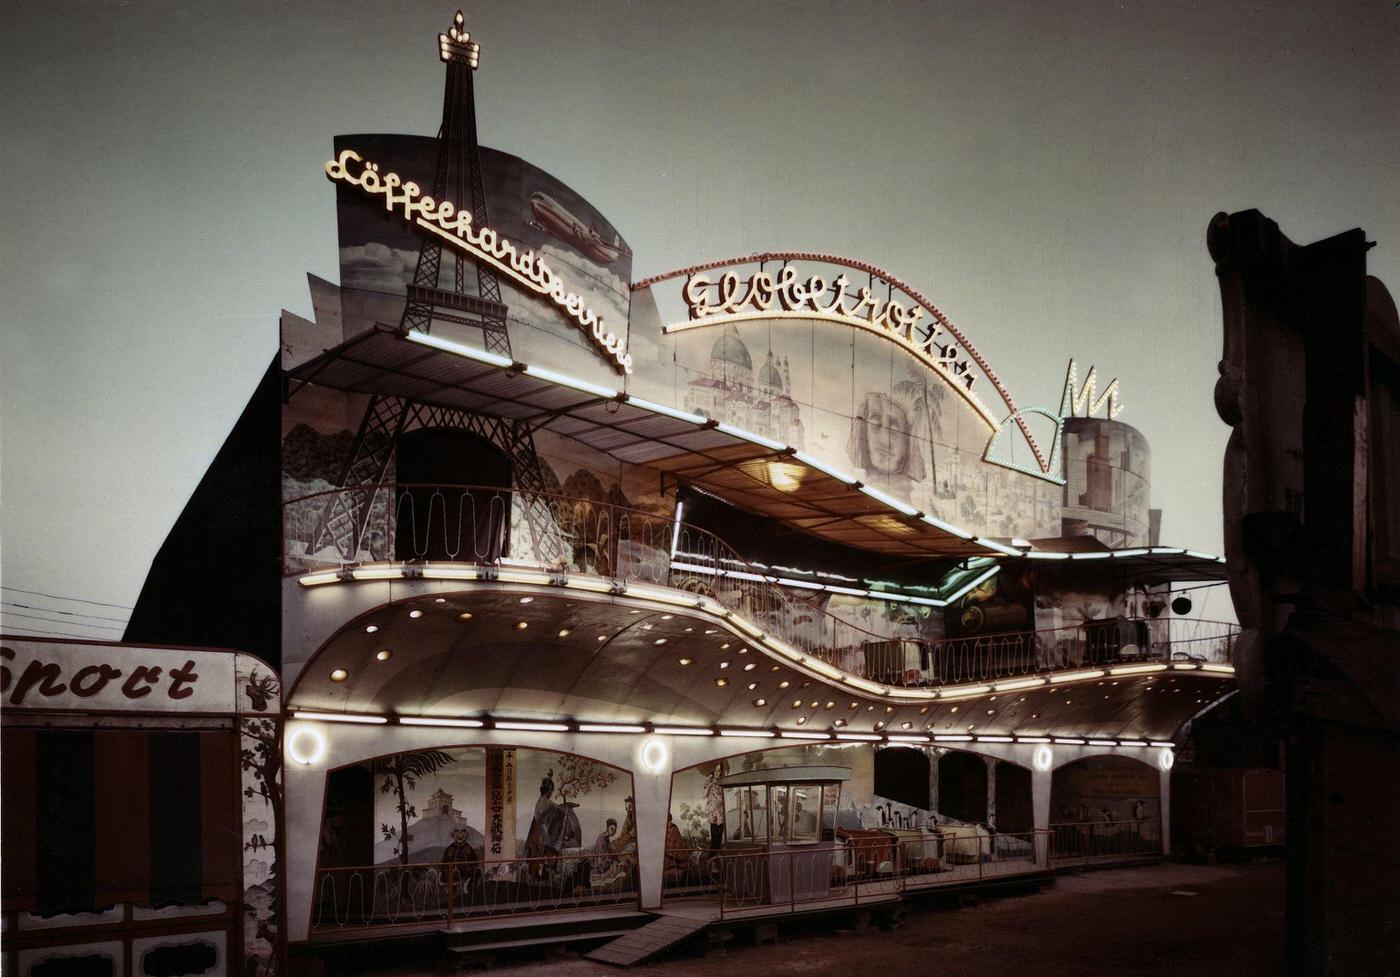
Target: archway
(962, 786)
(435, 516)
(902, 774)
(1106, 806)
(1015, 811)
(462, 831)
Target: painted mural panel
(862, 805)
(850, 399)
(529, 207)
(1107, 482)
(260, 763)
(1120, 793)
(505, 803)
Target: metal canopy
(557, 668)
(1146, 565)
(762, 477)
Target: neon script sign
(443, 218)
(784, 295)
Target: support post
(651, 792)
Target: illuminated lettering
(456, 227)
(1086, 398)
(729, 298)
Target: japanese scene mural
(512, 826)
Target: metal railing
(474, 524)
(1096, 841)
(443, 892)
(755, 880)
(484, 525)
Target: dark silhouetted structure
(1310, 382)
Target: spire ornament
(457, 44)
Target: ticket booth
(775, 819)
(139, 788)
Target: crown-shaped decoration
(457, 44)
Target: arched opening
(1015, 813)
(347, 824)
(1105, 806)
(962, 787)
(901, 775)
(435, 517)
(465, 831)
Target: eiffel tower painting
(467, 293)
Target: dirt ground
(1202, 920)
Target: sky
(1043, 172)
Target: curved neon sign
(902, 316)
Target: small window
(746, 808)
(805, 817)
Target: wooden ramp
(660, 934)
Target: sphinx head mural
(882, 444)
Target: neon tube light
(974, 582)
(767, 733)
(824, 468)
(448, 346)
(531, 727)
(429, 721)
(1075, 676)
(376, 573)
(738, 432)
(564, 380)
(889, 500)
(682, 731)
(340, 717)
(610, 728)
(656, 408)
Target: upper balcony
(413, 529)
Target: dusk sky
(1043, 172)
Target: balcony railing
(1104, 841)
(733, 882)
(445, 892)
(485, 525)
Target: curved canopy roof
(616, 660)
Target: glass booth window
(804, 823)
(746, 809)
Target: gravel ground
(1201, 920)
(1197, 920)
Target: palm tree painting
(928, 406)
(401, 773)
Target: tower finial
(457, 44)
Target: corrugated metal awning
(750, 471)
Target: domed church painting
(728, 391)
